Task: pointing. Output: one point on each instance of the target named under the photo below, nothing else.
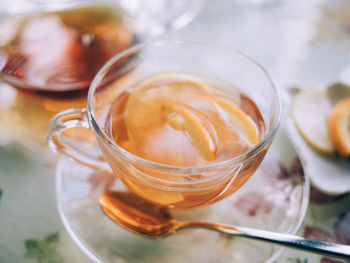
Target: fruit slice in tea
(179, 119)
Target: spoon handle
(316, 246)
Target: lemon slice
(310, 110)
(339, 127)
(169, 78)
(144, 108)
(239, 120)
(203, 136)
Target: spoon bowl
(141, 217)
(137, 215)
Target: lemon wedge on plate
(339, 127)
(310, 110)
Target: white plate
(329, 174)
(275, 198)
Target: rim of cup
(201, 168)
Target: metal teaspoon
(141, 217)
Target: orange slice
(339, 127)
(239, 121)
(185, 118)
(310, 110)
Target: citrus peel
(338, 124)
(195, 124)
(239, 120)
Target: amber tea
(63, 50)
(183, 120)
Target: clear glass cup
(50, 50)
(177, 187)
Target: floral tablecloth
(299, 42)
(31, 229)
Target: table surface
(300, 43)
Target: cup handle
(70, 119)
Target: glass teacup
(205, 173)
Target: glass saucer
(275, 198)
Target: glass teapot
(58, 46)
